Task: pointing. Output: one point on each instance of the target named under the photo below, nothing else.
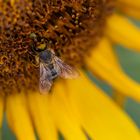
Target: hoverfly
(52, 67)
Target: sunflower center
(69, 27)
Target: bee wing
(45, 83)
(64, 70)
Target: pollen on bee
(70, 28)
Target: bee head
(39, 44)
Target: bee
(52, 67)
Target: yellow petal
(44, 124)
(135, 3)
(101, 64)
(18, 117)
(99, 116)
(106, 49)
(1, 109)
(129, 10)
(119, 98)
(123, 32)
(66, 122)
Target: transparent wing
(64, 70)
(45, 83)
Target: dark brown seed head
(69, 27)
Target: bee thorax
(46, 56)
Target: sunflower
(81, 33)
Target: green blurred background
(130, 62)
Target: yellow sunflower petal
(66, 122)
(1, 109)
(101, 64)
(99, 116)
(119, 98)
(18, 117)
(107, 50)
(129, 10)
(41, 116)
(122, 31)
(135, 3)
